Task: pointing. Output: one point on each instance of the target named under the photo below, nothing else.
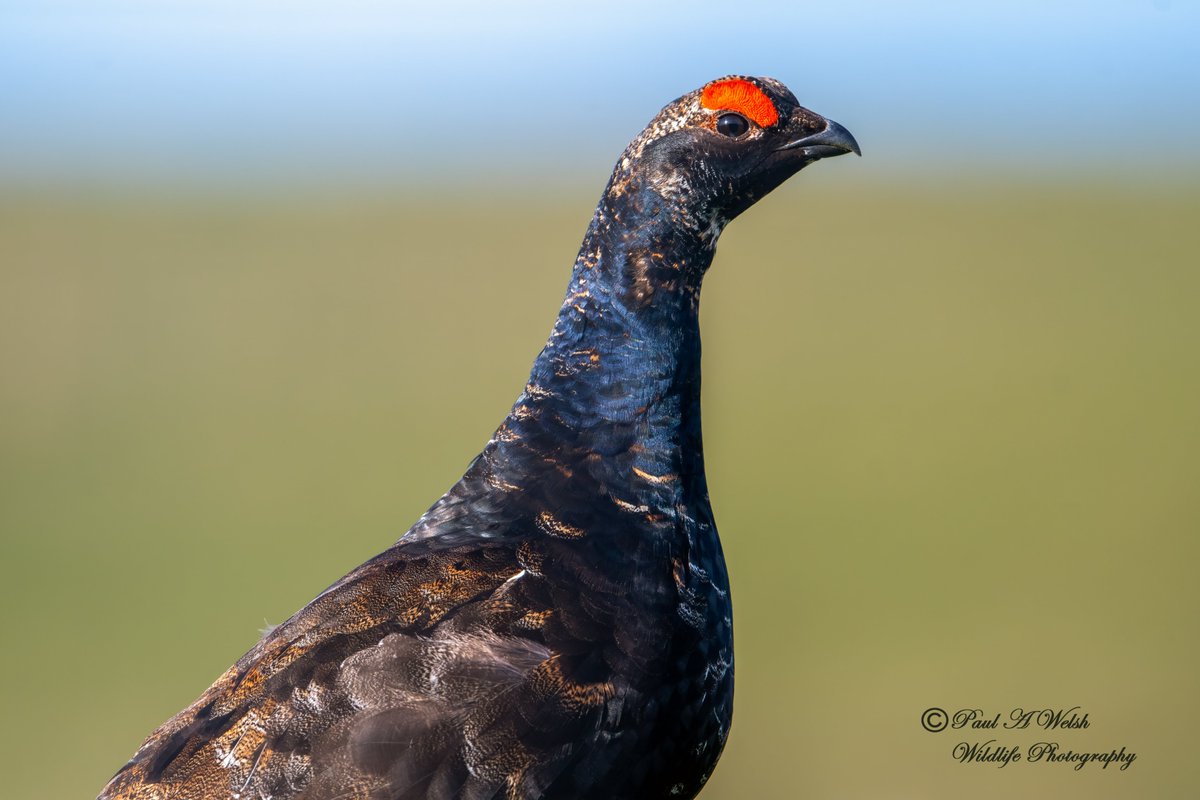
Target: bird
(558, 625)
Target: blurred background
(271, 273)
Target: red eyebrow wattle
(740, 96)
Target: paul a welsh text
(1020, 719)
(1049, 752)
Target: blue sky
(359, 89)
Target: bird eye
(732, 125)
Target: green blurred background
(951, 413)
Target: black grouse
(558, 625)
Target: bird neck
(618, 383)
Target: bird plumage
(558, 624)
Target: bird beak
(833, 141)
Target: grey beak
(833, 141)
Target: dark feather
(558, 625)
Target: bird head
(715, 151)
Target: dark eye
(732, 125)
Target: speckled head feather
(558, 625)
(763, 100)
(709, 177)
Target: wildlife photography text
(936, 720)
